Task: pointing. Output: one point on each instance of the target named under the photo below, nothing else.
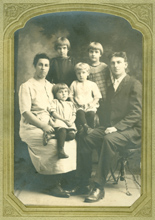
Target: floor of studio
(32, 188)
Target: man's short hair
(82, 66)
(119, 54)
(96, 46)
(40, 56)
(62, 41)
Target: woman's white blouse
(36, 98)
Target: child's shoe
(80, 130)
(46, 137)
(62, 154)
(87, 129)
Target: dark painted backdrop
(39, 34)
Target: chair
(123, 163)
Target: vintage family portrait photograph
(78, 88)
(79, 93)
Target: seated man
(122, 126)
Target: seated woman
(35, 98)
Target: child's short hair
(119, 54)
(81, 66)
(40, 56)
(62, 41)
(96, 45)
(58, 87)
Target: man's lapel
(122, 84)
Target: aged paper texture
(24, 32)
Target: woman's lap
(44, 158)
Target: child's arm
(57, 116)
(51, 122)
(69, 123)
(72, 94)
(96, 94)
(76, 104)
(72, 120)
(53, 111)
(72, 100)
(93, 103)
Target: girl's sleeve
(53, 105)
(96, 91)
(74, 110)
(25, 100)
(71, 95)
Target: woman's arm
(33, 120)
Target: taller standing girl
(62, 66)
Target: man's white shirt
(116, 82)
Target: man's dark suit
(123, 111)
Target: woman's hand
(48, 128)
(32, 119)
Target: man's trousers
(107, 145)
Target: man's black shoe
(79, 190)
(95, 195)
(58, 191)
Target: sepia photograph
(77, 109)
(66, 107)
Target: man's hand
(110, 130)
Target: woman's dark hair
(40, 56)
(119, 54)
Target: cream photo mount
(15, 16)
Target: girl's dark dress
(62, 70)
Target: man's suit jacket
(123, 108)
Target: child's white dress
(85, 93)
(66, 110)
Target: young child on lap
(63, 116)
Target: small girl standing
(63, 116)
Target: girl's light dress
(66, 110)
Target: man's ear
(126, 65)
